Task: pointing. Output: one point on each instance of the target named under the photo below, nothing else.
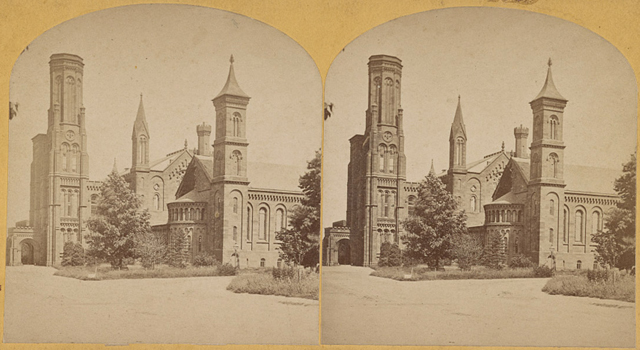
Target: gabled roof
(231, 87)
(549, 89)
(163, 163)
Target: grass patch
(579, 286)
(263, 282)
(425, 274)
(106, 273)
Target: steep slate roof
(458, 124)
(140, 125)
(549, 89)
(162, 163)
(231, 87)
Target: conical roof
(432, 171)
(231, 87)
(457, 127)
(549, 89)
(140, 125)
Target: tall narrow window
(262, 262)
(94, 204)
(382, 152)
(156, 201)
(381, 203)
(236, 156)
(565, 226)
(550, 235)
(554, 161)
(579, 264)
(553, 122)
(459, 151)
(235, 205)
(279, 220)
(472, 204)
(262, 224)
(392, 159)
(200, 243)
(235, 233)
(389, 93)
(579, 226)
(552, 207)
(412, 203)
(69, 200)
(387, 199)
(75, 154)
(65, 157)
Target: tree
(467, 250)
(300, 242)
(151, 248)
(436, 221)
(117, 221)
(494, 251)
(390, 255)
(616, 244)
(176, 252)
(72, 254)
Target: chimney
(204, 131)
(521, 134)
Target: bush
(284, 273)
(580, 286)
(262, 283)
(494, 251)
(390, 255)
(176, 252)
(204, 259)
(520, 260)
(73, 254)
(598, 275)
(543, 271)
(467, 250)
(227, 270)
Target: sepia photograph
(163, 182)
(479, 184)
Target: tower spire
(140, 125)
(457, 127)
(549, 89)
(432, 171)
(115, 166)
(231, 87)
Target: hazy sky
(496, 59)
(178, 57)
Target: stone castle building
(206, 197)
(529, 207)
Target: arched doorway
(344, 252)
(27, 253)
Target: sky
(496, 60)
(178, 57)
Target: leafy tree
(117, 221)
(436, 221)
(616, 244)
(494, 251)
(72, 254)
(390, 255)
(300, 242)
(467, 250)
(176, 252)
(151, 248)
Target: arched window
(519, 215)
(550, 235)
(565, 226)
(262, 261)
(554, 127)
(554, 161)
(459, 151)
(202, 214)
(65, 156)
(279, 220)
(412, 203)
(181, 214)
(387, 200)
(235, 233)
(473, 204)
(249, 224)
(199, 243)
(381, 203)
(509, 216)
(262, 224)
(392, 159)
(382, 152)
(156, 201)
(389, 92)
(516, 245)
(552, 207)
(69, 201)
(73, 158)
(579, 264)
(94, 204)
(235, 205)
(595, 222)
(142, 154)
(237, 158)
(579, 226)
(236, 124)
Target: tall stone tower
(60, 167)
(230, 182)
(377, 169)
(457, 171)
(204, 131)
(140, 153)
(545, 197)
(521, 134)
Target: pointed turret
(140, 126)
(432, 171)
(231, 87)
(549, 89)
(115, 166)
(457, 127)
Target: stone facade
(543, 208)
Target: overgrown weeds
(620, 288)
(304, 286)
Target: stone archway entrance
(344, 252)
(27, 253)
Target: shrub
(390, 255)
(520, 260)
(494, 251)
(227, 270)
(284, 273)
(204, 259)
(73, 254)
(262, 283)
(598, 275)
(543, 271)
(176, 252)
(467, 250)
(580, 286)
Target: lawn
(580, 286)
(136, 272)
(263, 282)
(423, 273)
